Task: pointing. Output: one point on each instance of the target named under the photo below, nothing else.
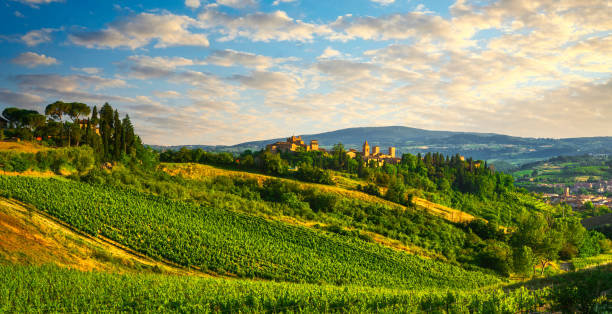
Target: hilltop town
(581, 197)
(367, 154)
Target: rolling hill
(486, 146)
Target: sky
(230, 71)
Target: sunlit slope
(196, 171)
(27, 289)
(225, 242)
(30, 237)
(23, 146)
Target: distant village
(368, 154)
(576, 197)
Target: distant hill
(502, 149)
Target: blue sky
(228, 71)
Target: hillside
(197, 171)
(31, 237)
(280, 237)
(485, 146)
(554, 174)
(225, 242)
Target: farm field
(31, 237)
(25, 288)
(229, 243)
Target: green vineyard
(52, 289)
(226, 242)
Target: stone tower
(392, 151)
(314, 145)
(376, 150)
(366, 149)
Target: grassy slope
(232, 243)
(24, 147)
(196, 171)
(30, 237)
(27, 289)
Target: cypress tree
(128, 135)
(106, 130)
(117, 136)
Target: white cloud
(167, 94)
(278, 82)
(36, 3)
(236, 3)
(18, 14)
(54, 83)
(36, 37)
(261, 26)
(194, 4)
(383, 2)
(32, 60)
(146, 67)
(228, 58)
(51, 87)
(88, 70)
(277, 2)
(10, 98)
(330, 52)
(394, 26)
(138, 31)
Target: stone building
(366, 149)
(375, 155)
(293, 144)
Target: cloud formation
(532, 68)
(194, 4)
(383, 2)
(260, 26)
(232, 58)
(236, 3)
(35, 3)
(137, 31)
(36, 37)
(10, 98)
(277, 2)
(32, 60)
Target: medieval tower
(376, 150)
(366, 149)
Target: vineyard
(27, 289)
(229, 243)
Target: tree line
(66, 124)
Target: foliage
(227, 242)
(28, 289)
(309, 173)
(80, 159)
(54, 129)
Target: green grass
(586, 262)
(52, 289)
(27, 289)
(226, 242)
